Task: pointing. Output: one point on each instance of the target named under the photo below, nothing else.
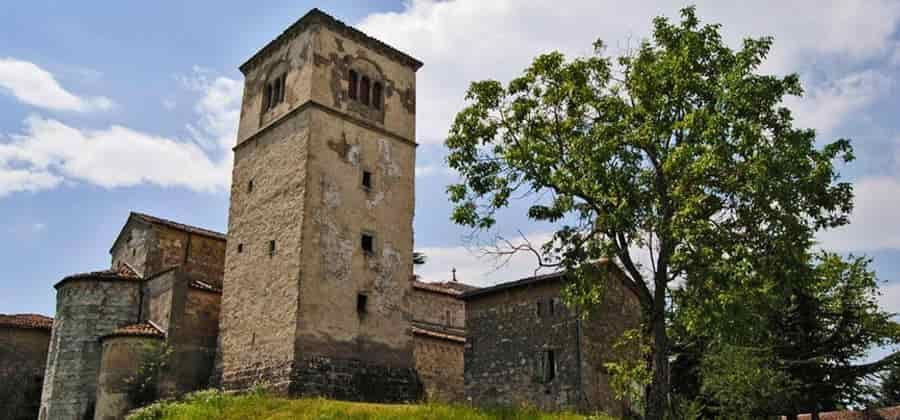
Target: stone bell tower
(320, 240)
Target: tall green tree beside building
(681, 147)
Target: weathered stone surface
(314, 294)
(23, 358)
(512, 331)
(439, 363)
(121, 358)
(86, 309)
(151, 245)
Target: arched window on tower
(364, 92)
(353, 87)
(377, 92)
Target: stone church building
(312, 290)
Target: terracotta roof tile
(438, 334)
(27, 321)
(142, 329)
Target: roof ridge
(178, 225)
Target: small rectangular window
(267, 97)
(367, 180)
(546, 366)
(271, 248)
(377, 92)
(364, 93)
(367, 243)
(353, 85)
(250, 186)
(240, 248)
(539, 309)
(361, 302)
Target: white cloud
(49, 151)
(433, 170)
(827, 105)
(35, 86)
(873, 224)
(465, 40)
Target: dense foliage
(679, 147)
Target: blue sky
(109, 106)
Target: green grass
(256, 406)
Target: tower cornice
(316, 16)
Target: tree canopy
(679, 147)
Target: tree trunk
(658, 394)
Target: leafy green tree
(814, 325)
(889, 389)
(680, 147)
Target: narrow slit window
(367, 242)
(364, 90)
(271, 248)
(353, 85)
(551, 306)
(547, 366)
(367, 180)
(267, 97)
(240, 248)
(362, 301)
(281, 82)
(250, 186)
(377, 92)
(539, 309)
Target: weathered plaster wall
(294, 59)
(85, 311)
(121, 358)
(23, 358)
(335, 54)
(440, 364)
(306, 158)
(336, 269)
(262, 291)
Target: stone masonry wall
(440, 364)
(122, 357)
(507, 341)
(262, 288)
(23, 358)
(619, 311)
(85, 310)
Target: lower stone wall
(122, 358)
(440, 366)
(23, 358)
(353, 380)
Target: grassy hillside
(215, 405)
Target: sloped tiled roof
(27, 321)
(452, 288)
(179, 226)
(438, 334)
(141, 329)
(124, 272)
